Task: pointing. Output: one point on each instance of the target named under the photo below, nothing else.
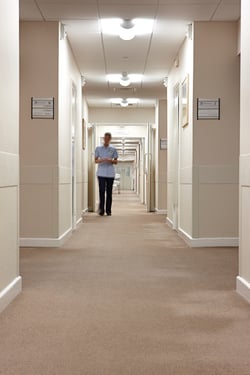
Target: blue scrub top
(106, 169)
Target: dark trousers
(105, 185)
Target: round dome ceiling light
(124, 103)
(127, 30)
(125, 80)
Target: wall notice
(208, 109)
(42, 108)
(163, 144)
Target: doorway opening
(73, 154)
(135, 172)
(176, 147)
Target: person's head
(107, 138)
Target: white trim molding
(169, 223)
(161, 212)
(46, 242)
(79, 221)
(85, 211)
(208, 242)
(243, 288)
(10, 293)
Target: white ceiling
(98, 55)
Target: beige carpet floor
(126, 296)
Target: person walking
(106, 157)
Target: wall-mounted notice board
(208, 109)
(163, 144)
(42, 108)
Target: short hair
(108, 135)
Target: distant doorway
(127, 175)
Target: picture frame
(185, 102)
(83, 134)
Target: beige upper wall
(38, 138)
(9, 131)
(122, 115)
(39, 78)
(216, 142)
(217, 68)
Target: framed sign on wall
(163, 144)
(42, 108)
(208, 109)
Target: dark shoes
(101, 213)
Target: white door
(150, 170)
(125, 171)
(73, 155)
(175, 207)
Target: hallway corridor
(126, 296)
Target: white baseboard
(169, 223)
(85, 211)
(79, 221)
(208, 242)
(243, 288)
(10, 293)
(46, 242)
(161, 212)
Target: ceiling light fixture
(126, 29)
(165, 82)
(125, 80)
(125, 102)
(83, 81)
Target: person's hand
(105, 160)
